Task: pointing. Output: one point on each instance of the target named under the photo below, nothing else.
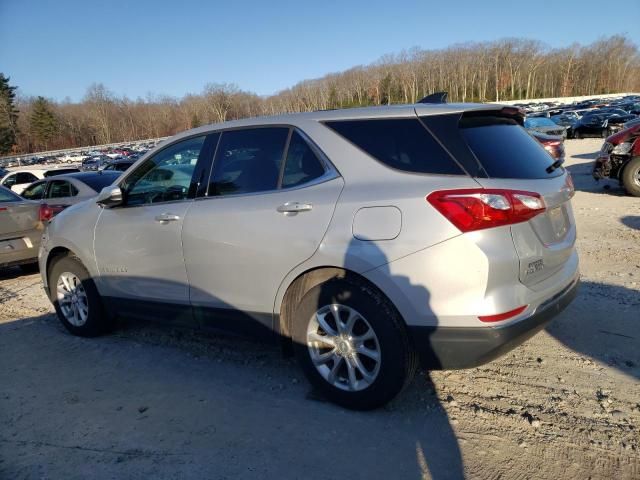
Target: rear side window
(248, 161)
(403, 144)
(301, 165)
(25, 177)
(61, 189)
(505, 149)
(7, 196)
(35, 191)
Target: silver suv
(364, 240)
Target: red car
(619, 159)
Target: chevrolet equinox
(366, 240)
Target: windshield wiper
(555, 165)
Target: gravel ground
(155, 402)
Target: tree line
(506, 69)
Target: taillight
(569, 189)
(46, 212)
(477, 209)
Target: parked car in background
(95, 162)
(62, 191)
(566, 121)
(616, 119)
(354, 235)
(619, 159)
(553, 144)
(18, 180)
(119, 165)
(592, 125)
(544, 125)
(20, 230)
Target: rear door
(270, 200)
(511, 159)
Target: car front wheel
(631, 177)
(352, 344)
(75, 298)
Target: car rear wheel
(76, 299)
(351, 344)
(577, 135)
(631, 177)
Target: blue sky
(57, 48)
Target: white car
(18, 180)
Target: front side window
(165, 177)
(301, 165)
(61, 189)
(35, 191)
(248, 161)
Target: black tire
(97, 322)
(604, 133)
(398, 361)
(631, 177)
(577, 135)
(29, 268)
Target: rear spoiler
(513, 113)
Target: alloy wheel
(343, 347)
(72, 299)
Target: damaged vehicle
(619, 159)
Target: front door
(137, 245)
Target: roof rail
(437, 97)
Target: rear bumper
(17, 251)
(467, 347)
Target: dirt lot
(152, 402)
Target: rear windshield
(99, 180)
(505, 149)
(400, 143)
(60, 171)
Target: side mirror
(110, 196)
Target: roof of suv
(385, 111)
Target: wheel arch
(299, 286)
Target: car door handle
(294, 207)
(167, 217)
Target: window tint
(100, 180)
(248, 161)
(10, 181)
(301, 165)
(60, 171)
(35, 191)
(25, 177)
(505, 149)
(166, 176)
(403, 144)
(7, 196)
(61, 189)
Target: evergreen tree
(43, 122)
(8, 115)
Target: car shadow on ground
(170, 401)
(631, 221)
(589, 328)
(227, 403)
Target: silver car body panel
(228, 251)
(20, 231)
